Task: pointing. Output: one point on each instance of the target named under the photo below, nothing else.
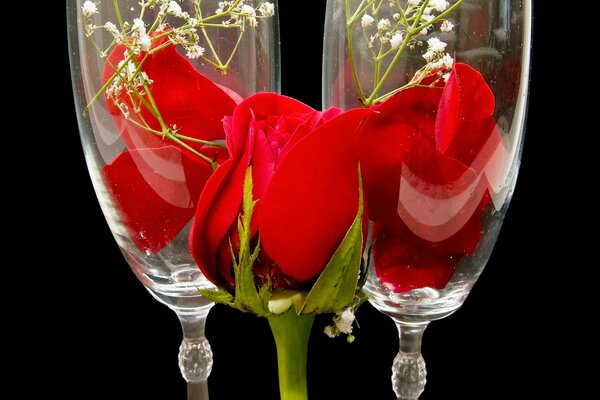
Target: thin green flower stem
(349, 23)
(174, 137)
(378, 59)
(367, 39)
(224, 13)
(169, 135)
(145, 6)
(351, 20)
(211, 62)
(167, 130)
(436, 19)
(159, 20)
(409, 34)
(232, 26)
(108, 82)
(206, 142)
(118, 12)
(237, 44)
(390, 51)
(402, 13)
(218, 63)
(197, 8)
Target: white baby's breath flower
(446, 77)
(139, 26)
(384, 24)
(396, 40)
(448, 61)
(414, 2)
(89, 8)
(145, 42)
(366, 21)
(371, 41)
(436, 45)
(329, 331)
(194, 52)
(447, 26)
(345, 320)
(248, 10)
(438, 5)
(428, 55)
(396, 16)
(174, 9)
(112, 29)
(267, 9)
(423, 31)
(427, 17)
(252, 22)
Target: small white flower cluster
(342, 323)
(142, 41)
(428, 12)
(395, 31)
(128, 86)
(386, 33)
(128, 80)
(437, 59)
(242, 14)
(407, 25)
(89, 8)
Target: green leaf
(247, 296)
(219, 295)
(335, 288)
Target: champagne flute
(449, 81)
(152, 82)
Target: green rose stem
(291, 332)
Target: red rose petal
(221, 200)
(385, 140)
(155, 191)
(403, 262)
(423, 156)
(465, 115)
(312, 199)
(259, 107)
(218, 208)
(185, 98)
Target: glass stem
(291, 333)
(195, 354)
(408, 371)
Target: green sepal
(218, 295)
(335, 288)
(247, 297)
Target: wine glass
(449, 82)
(152, 83)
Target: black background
(109, 335)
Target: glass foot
(409, 374)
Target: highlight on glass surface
(448, 81)
(153, 80)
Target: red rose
(156, 182)
(424, 156)
(305, 177)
